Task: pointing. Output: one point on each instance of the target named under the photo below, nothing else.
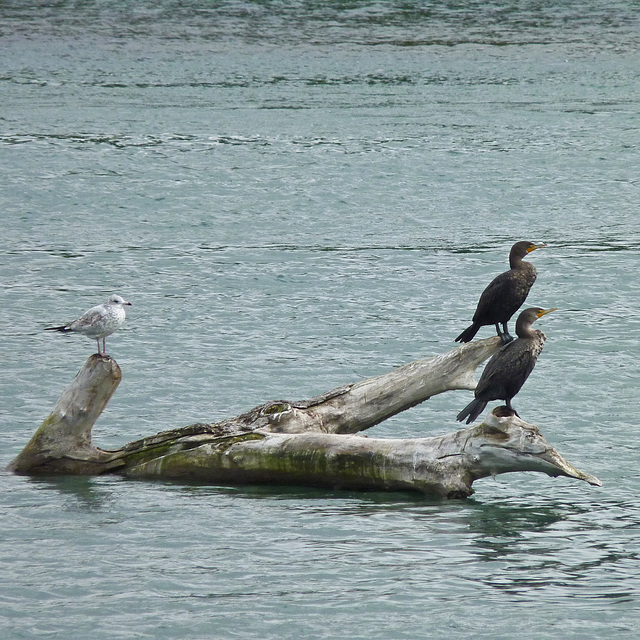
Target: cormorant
(99, 321)
(505, 294)
(508, 370)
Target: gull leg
(98, 343)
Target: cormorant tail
(468, 334)
(472, 410)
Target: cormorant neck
(524, 330)
(516, 260)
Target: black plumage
(505, 294)
(509, 369)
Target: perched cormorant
(99, 321)
(508, 370)
(505, 294)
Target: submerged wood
(310, 443)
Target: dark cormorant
(505, 294)
(508, 370)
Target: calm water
(297, 195)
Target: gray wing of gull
(92, 323)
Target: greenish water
(295, 196)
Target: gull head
(116, 299)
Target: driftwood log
(315, 442)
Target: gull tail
(64, 328)
(472, 410)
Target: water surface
(295, 196)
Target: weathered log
(62, 443)
(444, 466)
(307, 442)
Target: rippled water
(294, 196)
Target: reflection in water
(550, 548)
(79, 493)
(503, 523)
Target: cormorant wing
(508, 369)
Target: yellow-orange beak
(533, 246)
(543, 312)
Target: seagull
(99, 321)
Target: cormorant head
(529, 316)
(522, 248)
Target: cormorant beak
(533, 246)
(543, 312)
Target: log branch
(310, 443)
(360, 406)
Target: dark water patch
(402, 23)
(346, 249)
(319, 80)
(119, 142)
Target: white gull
(98, 322)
